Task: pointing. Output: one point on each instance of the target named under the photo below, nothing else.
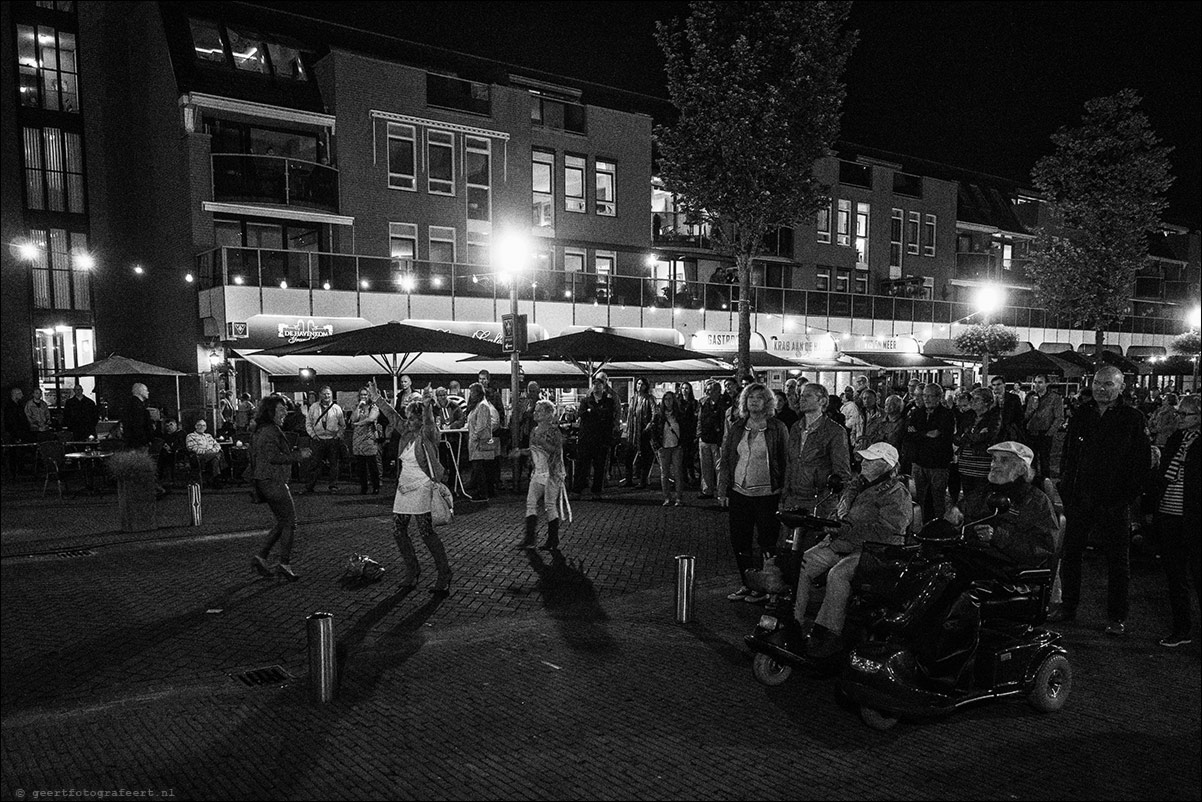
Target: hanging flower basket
(981, 339)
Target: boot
(552, 536)
(443, 584)
(531, 529)
(409, 556)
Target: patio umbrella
(124, 366)
(592, 349)
(1087, 365)
(1030, 363)
(393, 346)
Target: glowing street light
(1195, 318)
(512, 253)
(989, 299)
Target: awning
(893, 361)
(426, 364)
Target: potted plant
(137, 484)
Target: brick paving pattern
(535, 679)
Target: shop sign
(893, 345)
(489, 331)
(268, 331)
(806, 345)
(716, 341)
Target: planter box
(138, 507)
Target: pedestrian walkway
(537, 678)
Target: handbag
(442, 503)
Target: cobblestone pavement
(535, 679)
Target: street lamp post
(511, 256)
(989, 299)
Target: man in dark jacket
(711, 422)
(1011, 406)
(80, 415)
(598, 419)
(1106, 461)
(1179, 517)
(136, 424)
(928, 439)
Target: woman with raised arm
(547, 478)
(271, 461)
(418, 469)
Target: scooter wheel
(770, 672)
(1053, 682)
(876, 719)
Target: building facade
(187, 183)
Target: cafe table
(89, 460)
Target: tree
(758, 90)
(986, 340)
(1104, 185)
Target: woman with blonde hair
(547, 478)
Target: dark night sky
(973, 84)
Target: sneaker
(739, 594)
(1115, 628)
(755, 597)
(1061, 613)
(1173, 641)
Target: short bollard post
(685, 564)
(321, 657)
(194, 502)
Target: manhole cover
(258, 677)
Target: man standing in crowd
(37, 412)
(523, 411)
(80, 415)
(137, 427)
(493, 396)
(1043, 415)
(1011, 407)
(1106, 462)
(325, 424)
(817, 448)
(599, 423)
(928, 438)
(711, 421)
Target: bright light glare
(511, 253)
(139, 269)
(990, 298)
(283, 285)
(407, 283)
(188, 277)
(651, 260)
(84, 261)
(28, 251)
(1195, 318)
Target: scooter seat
(801, 519)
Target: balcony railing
(251, 178)
(260, 267)
(991, 267)
(673, 228)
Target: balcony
(317, 272)
(251, 178)
(560, 115)
(673, 228)
(977, 266)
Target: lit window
(843, 224)
(896, 224)
(478, 247)
(606, 181)
(862, 214)
(912, 233)
(60, 281)
(49, 72)
(478, 166)
(53, 170)
(248, 51)
(573, 183)
(440, 159)
(822, 279)
(842, 279)
(402, 150)
(822, 222)
(928, 240)
(861, 282)
(207, 41)
(402, 241)
(542, 170)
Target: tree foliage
(992, 339)
(1104, 184)
(759, 93)
(1186, 343)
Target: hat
(881, 451)
(1017, 449)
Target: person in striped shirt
(1178, 518)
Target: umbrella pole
(179, 406)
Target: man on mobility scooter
(967, 629)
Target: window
(928, 238)
(286, 61)
(402, 153)
(573, 261)
(928, 287)
(49, 73)
(604, 262)
(822, 222)
(912, 233)
(478, 169)
(450, 92)
(859, 175)
(59, 5)
(61, 278)
(843, 224)
(573, 183)
(61, 347)
(402, 241)
(477, 247)
(606, 181)
(896, 223)
(906, 184)
(861, 282)
(207, 41)
(559, 114)
(248, 52)
(53, 170)
(442, 244)
(822, 278)
(862, 214)
(842, 279)
(542, 169)
(440, 160)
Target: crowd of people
(1127, 456)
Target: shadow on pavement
(569, 596)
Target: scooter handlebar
(801, 519)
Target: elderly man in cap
(1025, 535)
(878, 509)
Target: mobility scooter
(969, 629)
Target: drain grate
(71, 553)
(258, 677)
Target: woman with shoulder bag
(482, 446)
(418, 469)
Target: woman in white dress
(417, 470)
(547, 478)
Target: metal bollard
(685, 566)
(194, 502)
(321, 657)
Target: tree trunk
(1099, 338)
(743, 260)
(985, 369)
